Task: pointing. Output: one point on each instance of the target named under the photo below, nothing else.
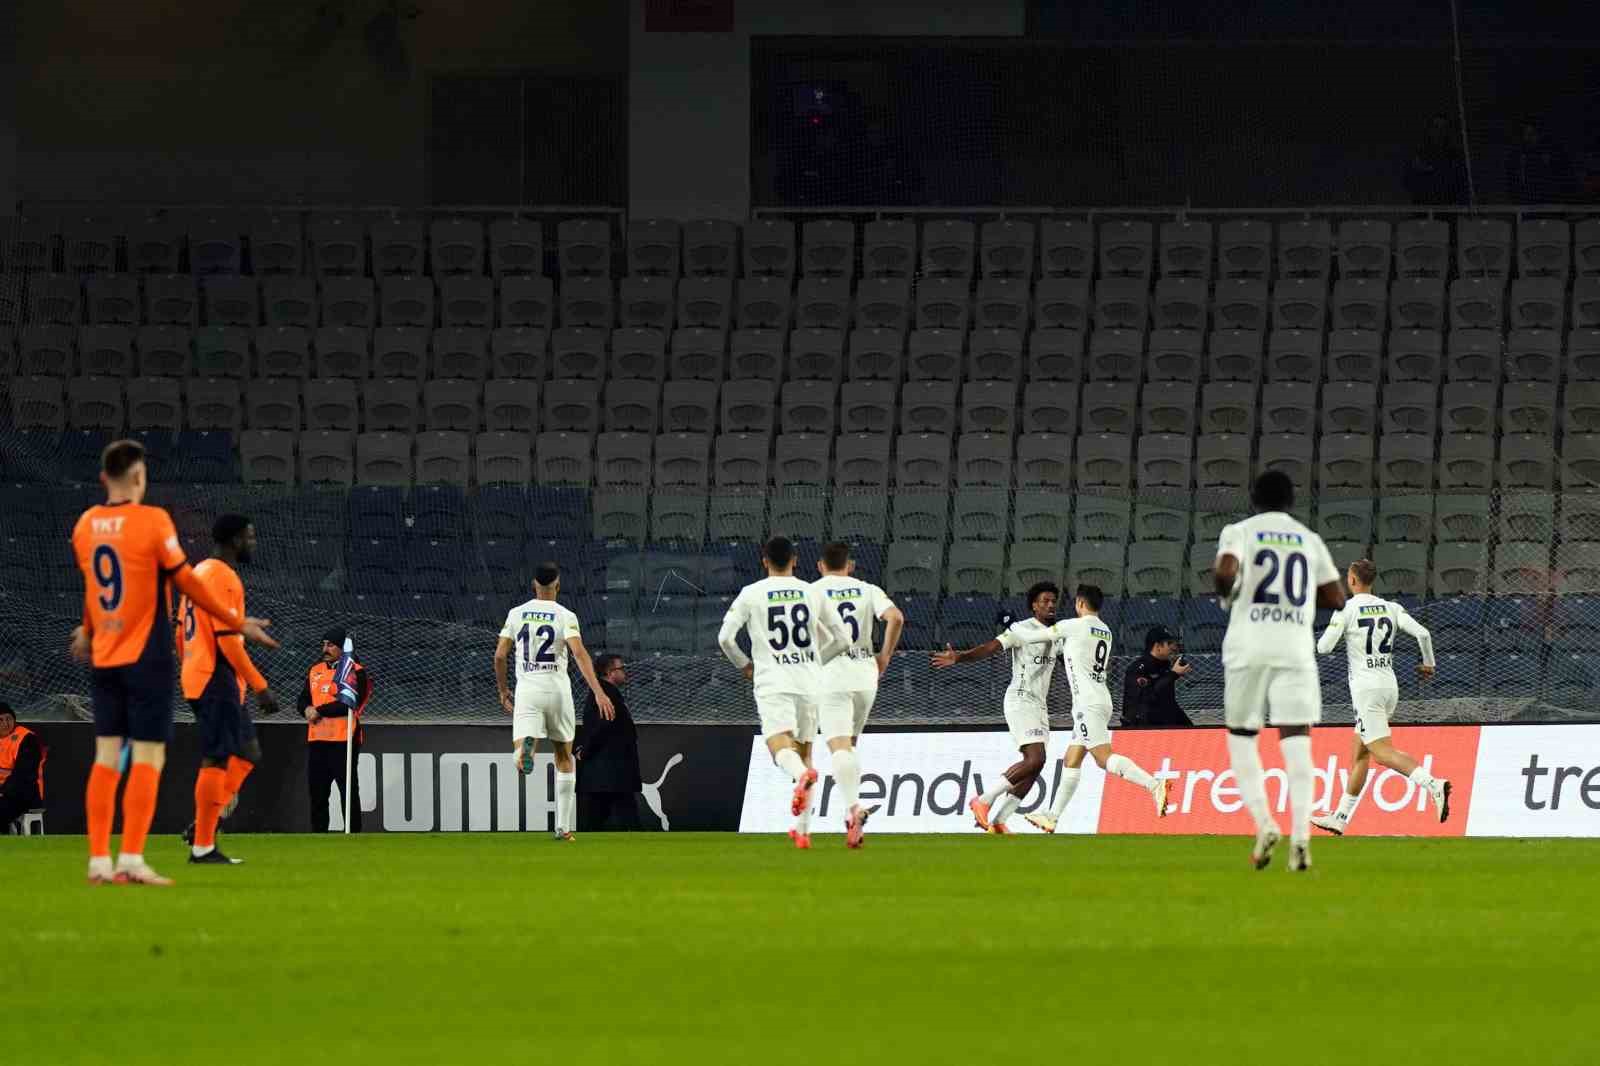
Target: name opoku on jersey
(1268, 606)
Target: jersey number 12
(544, 654)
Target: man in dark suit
(608, 757)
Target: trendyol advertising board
(1507, 781)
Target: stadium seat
(571, 406)
(1290, 453)
(1292, 355)
(511, 405)
(1244, 249)
(632, 405)
(1121, 303)
(1239, 303)
(1041, 516)
(1174, 355)
(503, 457)
(583, 248)
(1105, 518)
(1305, 248)
(1300, 303)
(1576, 625)
(290, 301)
(1483, 247)
(1405, 461)
(1527, 461)
(983, 459)
(154, 246)
(698, 354)
(443, 458)
(748, 406)
(922, 460)
(578, 352)
(1115, 355)
(1165, 407)
(1403, 567)
(1157, 521)
(169, 300)
(214, 403)
(1034, 561)
(928, 407)
(876, 354)
(1544, 248)
(1477, 303)
(519, 352)
(1411, 518)
(861, 518)
(621, 517)
(710, 248)
(647, 303)
(222, 352)
(113, 300)
(1458, 569)
(157, 404)
(562, 458)
(587, 301)
(705, 302)
(1057, 355)
(734, 518)
(1349, 407)
(756, 354)
(458, 352)
(935, 355)
(769, 249)
(689, 407)
(1422, 248)
(95, 403)
(678, 518)
(1001, 303)
(1530, 407)
(995, 355)
(975, 568)
(1104, 461)
(988, 407)
(741, 461)
(1044, 461)
(327, 456)
(1466, 461)
(914, 567)
(1355, 356)
(653, 247)
(1473, 355)
(801, 459)
(623, 460)
(342, 352)
(1533, 355)
(47, 350)
(400, 352)
(981, 515)
(800, 514)
(1289, 407)
(527, 301)
(466, 302)
(921, 515)
(1520, 568)
(452, 404)
(939, 303)
(1155, 568)
(1097, 562)
(1538, 303)
(1414, 355)
(1409, 407)
(1345, 520)
(682, 460)
(386, 403)
(1180, 303)
(816, 355)
(1061, 303)
(867, 407)
(1185, 250)
(1222, 460)
(1226, 407)
(828, 248)
(1577, 568)
(231, 301)
(1165, 461)
(948, 248)
(1364, 249)
(267, 456)
(861, 460)
(808, 407)
(384, 458)
(1125, 248)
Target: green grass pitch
(707, 949)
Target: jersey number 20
(1296, 577)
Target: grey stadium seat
(1533, 355)
(922, 460)
(1417, 303)
(47, 350)
(756, 354)
(861, 460)
(1244, 248)
(578, 352)
(769, 248)
(1032, 562)
(1294, 355)
(1530, 407)
(876, 354)
(623, 459)
(1580, 406)
(327, 457)
(587, 301)
(1174, 355)
(1107, 518)
(571, 406)
(1300, 303)
(1477, 303)
(1527, 516)
(1042, 516)
(1345, 463)
(860, 517)
(935, 355)
(983, 459)
(1585, 302)
(1165, 461)
(1527, 461)
(384, 459)
(1228, 407)
(822, 302)
(1348, 407)
(698, 354)
(1305, 248)
(867, 407)
(1044, 461)
(386, 403)
(1520, 569)
(1578, 568)
(748, 406)
(1538, 303)
(1105, 461)
(350, 302)
(982, 515)
(919, 515)
(741, 461)
(808, 407)
(1066, 248)
(1110, 406)
(928, 407)
(1473, 355)
(882, 303)
(1115, 355)
(1360, 303)
(157, 403)
(214, 403)
(1222, 460)
(113, 300)
(1126, 248)
(994, 355)
(1355, 355)
(455, 246)
(638, 353)
(1347, 520)
(632, 405)
(948, 248)
(1414, 355)
(1405, 461)
(889, 248)
(828, 248)
(397, 244)
(266, 456)
(1458, 569)
(1155, 568)
(763, 303)
(330, 404)
(222, 352)
(1289, 453)
(1544, 248)
(1468, 407)
(1422, 248)
(1057, 355)
(682, 460)
(96, 403)
(1466, 462)
(1185, 249)
(583, 247)
(988, 407)
(736, 518)
(1180, 303)
(1007, 248)
(1410, 407)
(1411, 518)
(1002, 303)
(800, 514)
(444, 458)
(1238, 303)
(647, 302)
(231, 301)
(169, 300)
(1483, 247)
(59, 298)
(1580, 517)
(942, 303)
(689, 406)
(503, 458)
(104, 350)
(1061, 303)
(288, 301)
(400, 352)
(914, 568)
(976, 568)
(466, 302)
(511, 404)
(1097, 562)
(1121, 303)
(1289, 407)
(1583, 355)
(678, 518)
(164, 351)
(1580, 462)
(1167, 407)
(803, 459)
(527, 301)
(1154, 521)
(653, 247)
(710, 248)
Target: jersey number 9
(796, 627)
(108, 575)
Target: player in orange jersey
(216, 669)
(128, 553)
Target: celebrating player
(850, 682)
(216, 669)
(1266, 569)
(794, 631)
(1027, 715)
(543, 633)
(1085, 643)
(127, 553)
(1374, 691)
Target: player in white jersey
(1273, 573)
(1367, 625)
(1085, 645)
(1027, 715)
(850, 682)
(542, 634)
(793, 633)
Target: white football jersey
(791, 627)
(1032, 663)
(1085, 645)
(1281, 563)
(1368, 625)
(858, 603)
(539, 631)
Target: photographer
(1150, 687)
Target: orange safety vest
(8, 754)
(325, 691)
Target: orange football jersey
(127, 553)
(199, 631)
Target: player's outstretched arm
(502, 659)
(232, 646)
(1330, 596)
(580, 655)
(1424, 641)
(943, 660)
(894, 624)
(1331, 636)
(200, 594)
(1224, 575)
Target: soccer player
(1367, 626)
(1027, 716)
(1272, 573)
(793, 632)
(216, 669)
(543, 634)
(1085, 643)
(128, 553)
(850, 682)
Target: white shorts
(1282, 695)
(1028, 721)
(787, 712)
(544, 712)
(1091, 725)
(1373, 706)
(844, 714)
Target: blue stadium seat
(1204, 623)
(1576, 624)
(1571, 680)
(322, 512)
(921, 631)
(205, 457)
(561, 513)
(432, 566)
(500, 512)
(375, 565)
(1138, 616)
(667, 624)
(504, 561)
(1455, 623)
(1515, 623)
(967, 621)
(438, 512)
(730, 567)
(25, 509)
(1503, 675)
(376, 511)
(20, 570)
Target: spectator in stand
(1150, 687)
(22, 756)
(1436, 174)
(607, 751)
(1537, 170)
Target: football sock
(1347, 807)
(238, 770)
(138, 807)
(100, 806)
(1129, 770)
(1420, 777)
(991, 796)
(1297, 764)
(847, 771)
(1069, 785)
(789, 762)
(210, 796)
(566, 799)
(1246, 762)
(1008, 803)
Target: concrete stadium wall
(689, 93)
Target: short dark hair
(1091, 595)
(779, 551)
(546, 574)
(1366, 571)
(119, 457)
(228, 526)
(604, 663)
(1273, 491)
(1039, 588)
(836, 556)
(5, 708)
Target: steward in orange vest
(328, 724)
(22, 756)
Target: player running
(543, 634)
(1085, 643)
(794, 631)
(1266, 569)
(216, 669)
(128, 552)
(1374, 691)
(1027, 716)
(850, 682)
